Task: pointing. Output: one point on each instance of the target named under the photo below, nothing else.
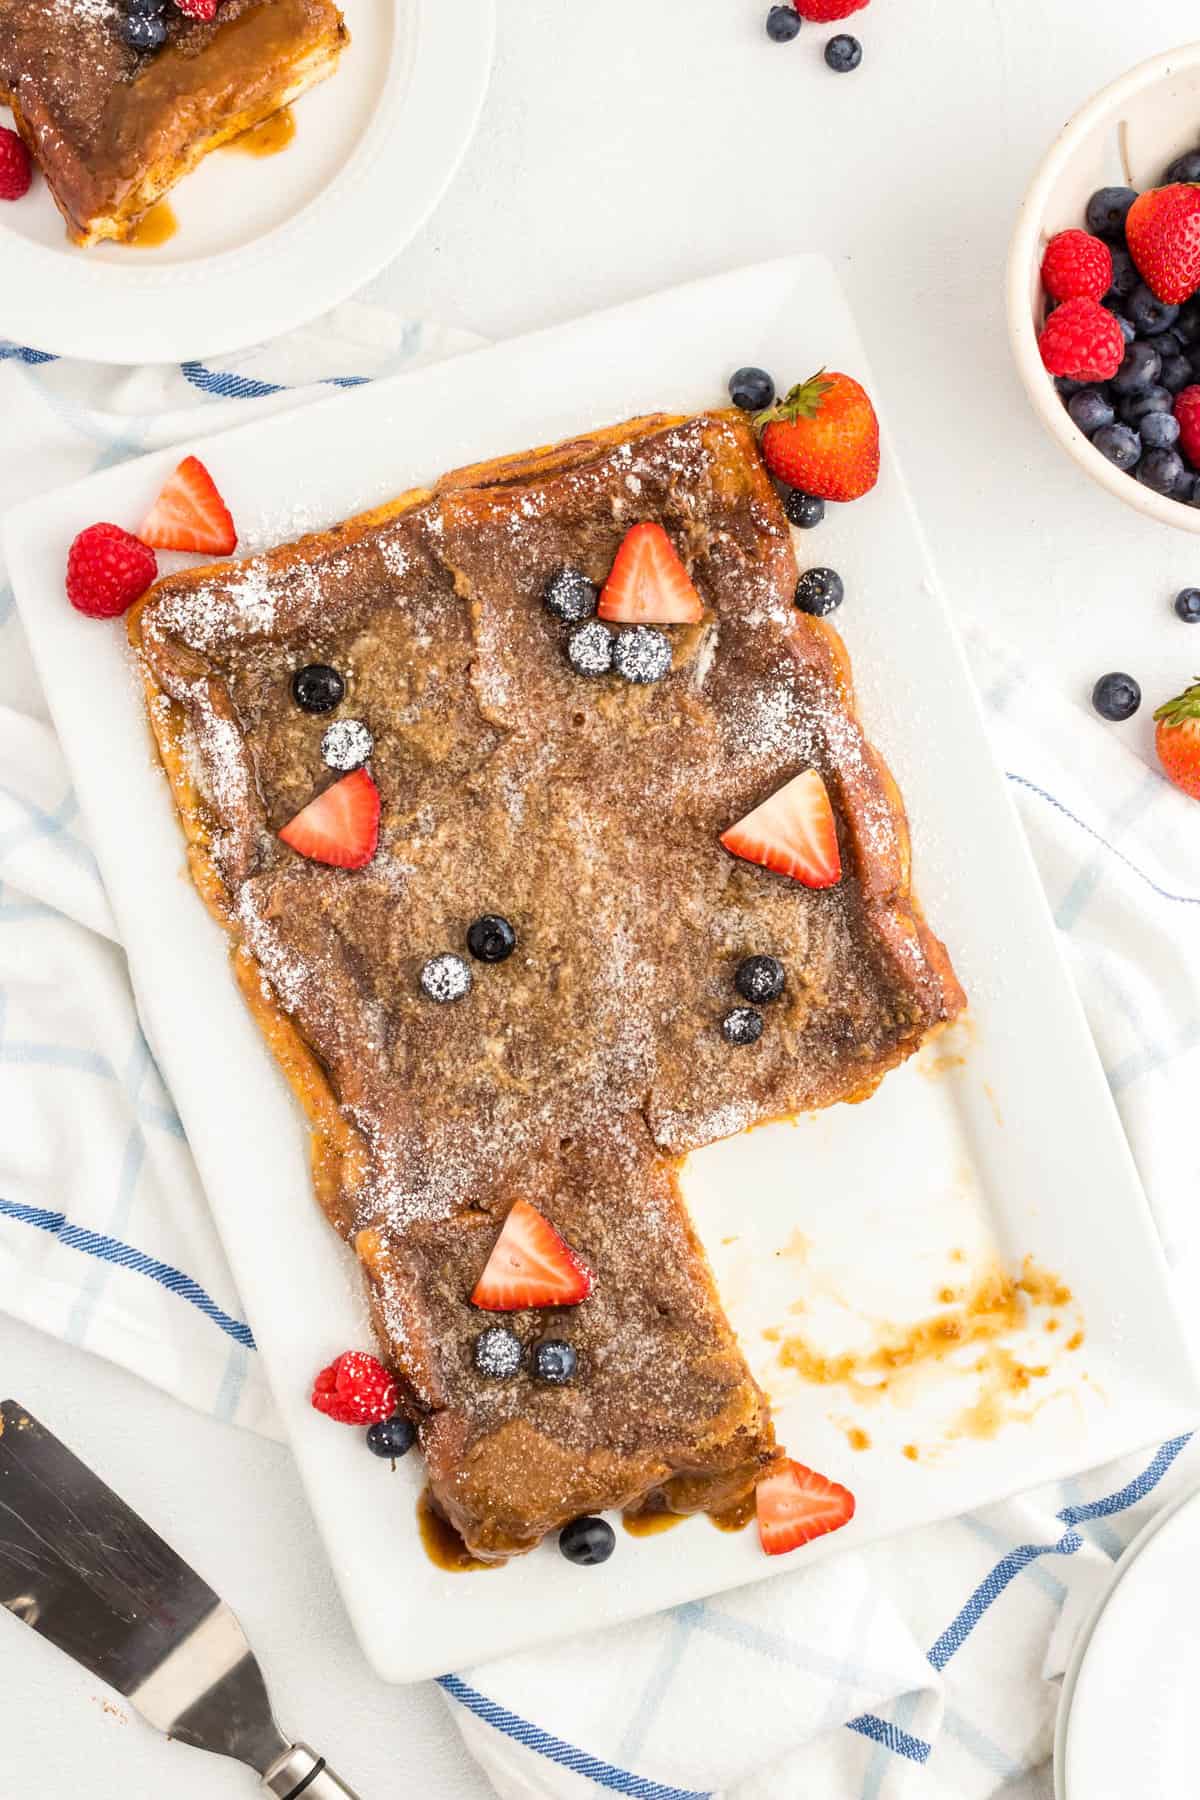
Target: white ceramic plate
(264, 245)
(1130, 1696)
(1000, 1141)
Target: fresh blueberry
(1176, 373)
(1150, 314)
(587, 1542)
(1187, 605)
(1128, 328)
(1108, 209)
(392, 1437)
(554, 1361)
(783, 22)
(1091, 408)
(1168, 343)
(1160, 431)
(642, 655)
(491, 938)
(1161, 471)
(317, 688)
(750, 388)
(143, 31)
(497, 1353)
(1116, 697)
(145, 6)
(1187, 325)
(819, 591)
(571, 596)
(1125, 275)
(804, 510)
(446, 977)
(1188, 491)
(1122, 446)
(742, 1026)
(1184, 168)
(590, 648)
(759, 979)
(347, 744)
(843, 53)
(1067, 385)
(1135, 407)
(1140, 368)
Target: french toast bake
(587, 812)
(113, 127)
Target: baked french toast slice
(576, 1073)
(113, 128)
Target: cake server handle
(300, 1774)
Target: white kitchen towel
(922, 1667)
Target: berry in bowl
(1104, 289)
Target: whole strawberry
(16, 170)
(1077, 266)
(1082, 340)
(1177, 740)
(1187, 411)
(824, 12)
(355, 1389)
(823, 437)
(107, 570)
(1163, 234)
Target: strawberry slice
(190, 514)
(341, 826)
(647, 584)
(793, 832)
(530, 1265)
(797, 1505)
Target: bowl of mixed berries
(1104, 289)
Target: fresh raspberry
(1187, 411)
(1080, 339)
(1077, 266)
(16, 170)
(355, 1390)
(197, 9)
(824, 12)
(107, 570)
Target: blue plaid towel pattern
(923, 1667)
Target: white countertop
(625, 147)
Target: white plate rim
(1168, 1405)
(1087, 1631)
(329, 248)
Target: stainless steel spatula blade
(82, 1569)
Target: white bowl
(1124, 137)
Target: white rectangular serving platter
(999, 1142)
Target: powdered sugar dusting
(222, 609)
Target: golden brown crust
(420, 1273)
(112, 132)
(336, 1149)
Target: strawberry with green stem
(1177, 739)
(823, 437)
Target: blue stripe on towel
(108, 1249)
(592, 1768)
(223, 384)
(22, 353)
(1042, 794)
(990, 1589)
(900, 1743)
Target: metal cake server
(81, 1568)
